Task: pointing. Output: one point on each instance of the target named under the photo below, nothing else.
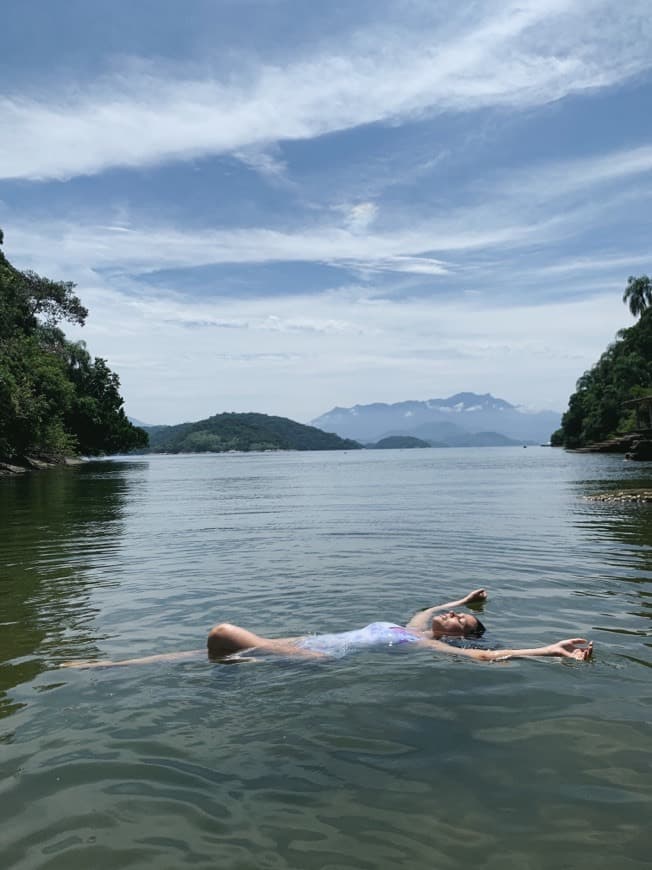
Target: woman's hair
(479, 631)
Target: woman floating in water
(425, 629)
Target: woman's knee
(222, 629)
(224, 638)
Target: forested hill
(243, 432)
(55, 400)
(624, 371)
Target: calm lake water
(387, 758)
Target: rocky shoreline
(635, 446)
(623, 496)
(22, 464)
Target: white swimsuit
(374, 634)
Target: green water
(385, 758)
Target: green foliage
(638, 294)
(54, 399)
(624, 371)
(27, 300)
(96, 415)
(243, 432)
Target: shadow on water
(56, 528)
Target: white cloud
(298, 356)
(512, 217)
(265, 162)
(399, 263)
(562, 178)
(508, 219)
(71, 247)
(598, 264)
(529, 53)
(361, 216)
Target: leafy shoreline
(55, 399)
(600, 410)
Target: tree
(95, 413)
(54, 399)
(638, 294)
(28, 300)
(596, 410)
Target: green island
(399, 442)
(242, 432)
(55, 400)
(611, 408)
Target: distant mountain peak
(471, 402)
(473, 412)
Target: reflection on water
(57, 530)
(628, 525)
(387, 758)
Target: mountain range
(449, 421)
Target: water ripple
(385, 758)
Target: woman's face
(453, 623)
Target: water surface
(386, 758)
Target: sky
(281, 206)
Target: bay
(391, 757)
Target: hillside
(56, 400)
(467, 412)
(242, 432)
(451, 435)
(596, 410)
(400, 442)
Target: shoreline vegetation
(604, 413)
(56, 401)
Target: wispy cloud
(265, 161)
(87, 246)
(527, 54)
(471, 345)
(409, 265)
(598, 264)
(361, 216)
(568, 176)
(509, 219)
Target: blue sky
(285, 206)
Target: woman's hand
(572, 649)
(475, 597)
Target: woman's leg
(225, 638)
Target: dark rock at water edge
(623, 496)
(641, 450)
(22, 464)
(634, 445)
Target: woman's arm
(421, 620)
(573, 648)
